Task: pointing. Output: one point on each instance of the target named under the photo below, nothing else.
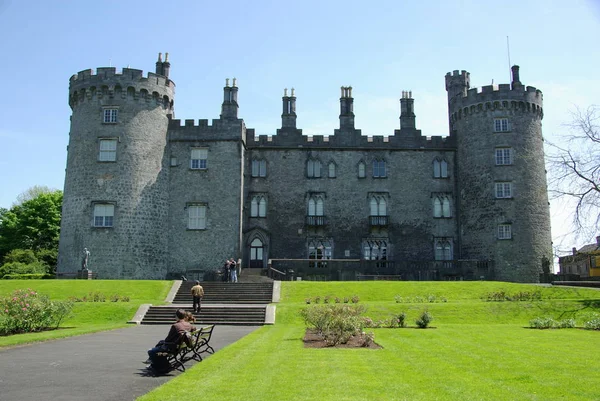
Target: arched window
(331, 169)
(361, 170)
(315, 206)
(378, 206)
(443, 248)
(442, 206)
(258, 206)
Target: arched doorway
(256, 253)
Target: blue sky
(378, 47)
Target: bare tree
(32, 193)
(574, 173)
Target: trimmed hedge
(29, 276)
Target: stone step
(248, 315)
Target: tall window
(313, 168)
(504, 231)
(501, 125)
(198, 159)
(110, 115)
(442, 206)
(503, 156)
(104, 215)
(379, 168)
(108, 150)
(320, 250)
(331, 169)
(362, 170)
(258, 206)
(443, 248)
(378, 205)
(375, 249)
(196, 217)
(259, 168)
(315, 205)
(440, 168)
(503, 190)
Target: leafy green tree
(33, 224)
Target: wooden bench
(191, 346)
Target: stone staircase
(243, 303)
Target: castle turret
(346, 108)
(288, 117)
(229, 109)
(116, 188)
(500, 176)
(407, 111)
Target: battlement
(343, 141)
(189, 130)
(130, 83)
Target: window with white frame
(110, 115)
(442, 248)
(196, 217)
(108, 150)
(258, 206)
(501, 125)
(378, 205)
(315, 205)
(379, 169)
(331, 169)
(199, 159)
(104, 214)
(440, 168)
(375, 249)
(362, 170)
(442, 206)
(313, 168)
(259, 168)
(503, 190)
(503, 156)
(320, 249)
(504, 231)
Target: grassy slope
(477, 351)
(88, 317)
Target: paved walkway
(105, 366)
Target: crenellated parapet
(392, 142)
(130, 84)
(192, 130)
(501, 97)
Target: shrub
(115, 298)
(355, 299)
(566, 324)
(336, 323)
(398, 299)
(346, 300)
(593, 323)
(125, 299)
(337, 300)
(543, 323)
(307, 300)
(29, 276)
(424, 320)
(501, 296)
(367, 338)
(326, 299)
(401, 319)
(27, 311)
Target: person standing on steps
(233, 270)
(197, 294)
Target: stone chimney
(574, 251)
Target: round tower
(500, 176)
(116, 184)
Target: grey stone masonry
(151, 196)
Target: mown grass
(88, 317)
(476, 350)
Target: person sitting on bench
(170, 343)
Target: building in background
(584, 262)
(152, 196)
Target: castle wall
(408, 188)
(526, 211)
(218, 187)
(135, 184)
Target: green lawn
(88, 317)
(475, 350)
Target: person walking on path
(197, 294)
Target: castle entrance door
(256, 253)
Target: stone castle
(152, 197)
